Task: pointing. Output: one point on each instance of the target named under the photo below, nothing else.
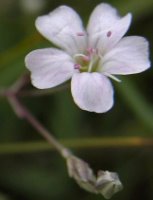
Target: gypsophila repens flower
(88, 56)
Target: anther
(80, 34)
(77, 66)
(82, 56)
(86, 58)
(91, 51)
(109, 33)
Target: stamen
(80, 34)
(112, 77)
(77, 66)
(84, 57)
(109, 33)
(79, 55)
(90, 66)
(91, 51)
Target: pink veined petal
(130, 56)
(63, 27)
(49, 67)
(102, 18)
(92, 92)
(106, 27)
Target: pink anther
(90, 50)
(86, 58)
(80, 34)
(77, 66)
(109, 33)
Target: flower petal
(130, 55)
(64, 28)
(49, 67)
(106, 27)
(92, 92)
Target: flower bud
(106, 183)
(82, 173)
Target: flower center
(87, 62)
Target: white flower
(88, 56)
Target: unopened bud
(106, 183)
(82, 173)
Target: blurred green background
(29, 170)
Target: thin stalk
(23, 112)
(36, 93)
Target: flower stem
(36, 93)
(23, 112)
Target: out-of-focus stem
(23, 112)
(136, 102)
(77, 143)
(36, 93)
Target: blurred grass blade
(78, 143)
(136, 102)
(137, 8)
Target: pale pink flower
(89, 56)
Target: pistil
(86, 62)
(84, 57)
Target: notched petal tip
(109, 27)
(60, 27)
(128, 17)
